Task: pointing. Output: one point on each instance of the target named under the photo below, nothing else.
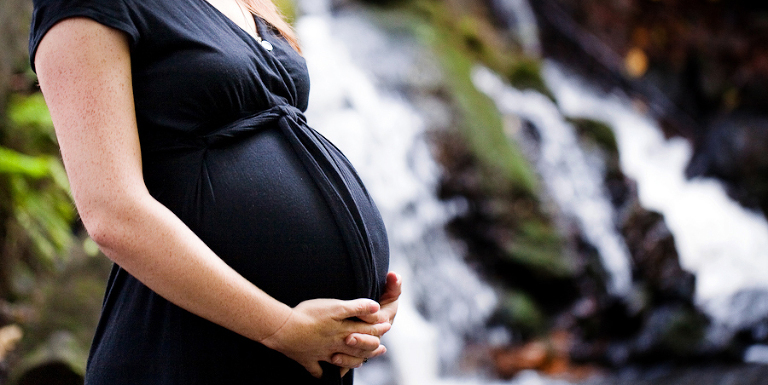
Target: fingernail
(337, 361)
(352, 341)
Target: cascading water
(575, 186)
(723, 244)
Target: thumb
(358, 308)
(314, 369)
(393, 288)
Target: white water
(575, 186)
(723, 244)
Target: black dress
(225, 146)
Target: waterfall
(721, 242)
(575, 186)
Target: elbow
(102, 228)
(108, 224)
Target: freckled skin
(85, 74)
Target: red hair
(266, 10)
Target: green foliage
(30, 111)
(38, 187)
(287, 8)
(44, 210)
(30, 129)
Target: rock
(654, 256)
(671, 333)
(549, 356)
(735, 150)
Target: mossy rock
(525, 73)
(598, 132)
(481, 122)
(520, 312)
(537, 246)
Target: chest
(194, 66)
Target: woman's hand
(388, 303)
(318, 329)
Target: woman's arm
(84, 70)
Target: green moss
(596, 131)
(537, 245)
(481, 122)
(525, 73)
(519, 311)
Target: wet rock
(671, 333)
(655, 258)
(735, 150)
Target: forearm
(150, 242)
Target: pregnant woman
(246, 249)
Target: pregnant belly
(254, 203)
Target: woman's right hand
(317, 329)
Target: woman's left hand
(387, 313)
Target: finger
(362, 354)
(314, 369)
(375, 318)
(357, 308)
(351, 361)
(363, 341)
(376, 330)
(389, 310)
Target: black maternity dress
(225, 146)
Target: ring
(365, 360)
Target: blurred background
(575, 190)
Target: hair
(267, 10)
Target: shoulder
(118, 14)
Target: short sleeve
(111, 13)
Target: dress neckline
(259, 39)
